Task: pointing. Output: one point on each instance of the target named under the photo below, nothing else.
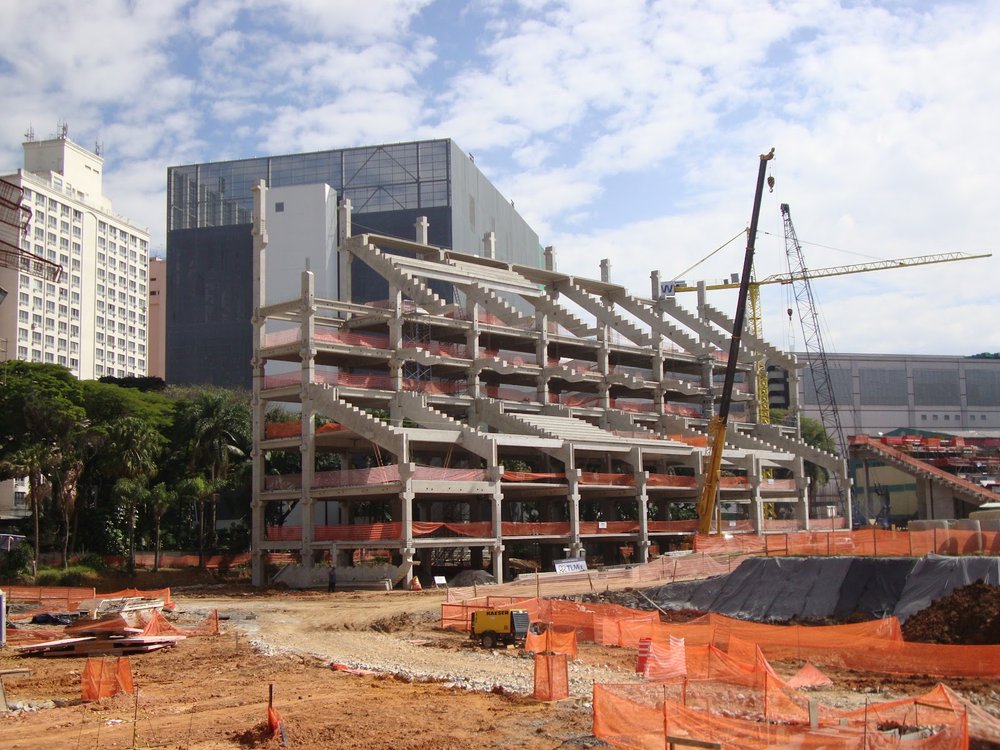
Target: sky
(624, 130)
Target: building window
(279, 207)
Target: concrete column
(550, 258)
(573, 500)
(490, 245)
(802, 506)
(257, 505)
(756, 500)
(422, 229)
(472, 344)
(344, 230)
(307, 441)
(497, 518)
(407, 496)
(642, 504)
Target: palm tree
(32, 462)
(217, 430)
(161, 499)
(131, 493)
(133, 449)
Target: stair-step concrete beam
(750, 342)
(327, 402)
(563, 317)
(415, 407)
(657, 323)
(604, 314)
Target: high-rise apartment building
(93, 319)
(390, 187)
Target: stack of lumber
(114, 635)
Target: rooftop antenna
(98, 147)
(62, 129)
(29, 134)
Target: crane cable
(720, 247)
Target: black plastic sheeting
(770, 589)
(934, 577)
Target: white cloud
(627, 130)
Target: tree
(216, 429)
(31, 462)
(41, 422)
(161, 499)
(130, 494)
(134, 446)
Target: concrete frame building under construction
(525, 413)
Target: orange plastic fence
(551, 677)
(557, 639)
(157, 624)
(104, 678)
(862, 542)
(664, 662)
(642, 716)
(50, 598)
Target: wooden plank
(688, 742)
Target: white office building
(93, 319)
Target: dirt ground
(431, 689)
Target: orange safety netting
(551, 677)
(104, 678)
(862, 542)
(808, 676)
(274, 430)
(457, 615)
(662, 662)
(923, 709)
(620, 480)
(531, 476)
(557, 639)
(671, 480)
(644, 716)
(274, 721)
(49, 598)
(157, 624)
(454, 475)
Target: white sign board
(440, 581)
(669, 288)
(573, 565)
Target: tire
(488, 640)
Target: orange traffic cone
(415, 584)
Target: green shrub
(17, 562)
(74, 575)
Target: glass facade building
(209, 246)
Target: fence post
(874, 542)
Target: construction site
(594, 474)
